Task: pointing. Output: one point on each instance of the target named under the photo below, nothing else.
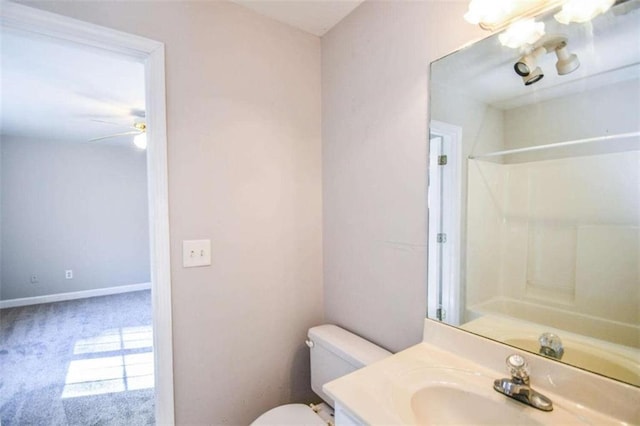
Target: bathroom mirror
(534, 192)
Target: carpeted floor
(81, 362)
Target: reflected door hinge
(441, 314)
(441, 238)
(442, 160)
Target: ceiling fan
(139, 129)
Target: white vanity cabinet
(344, 417)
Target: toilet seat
(290, 414)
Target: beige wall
(243, 111)
(374, 104)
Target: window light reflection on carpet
(116, 339)
(125, 365)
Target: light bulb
(140, 140)
(582, 10)
(488, 11)
(521, 33)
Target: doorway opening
(118, 359)
(443, 299)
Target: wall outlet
(34, 279)
(68, 274)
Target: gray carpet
(81, 362)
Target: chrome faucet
(518, 388)
(551, 345)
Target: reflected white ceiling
(313, 16)
(55, 90)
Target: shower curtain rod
(555, 145)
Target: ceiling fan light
(140, 140)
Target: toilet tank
(335, 352)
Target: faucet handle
(551, 345)
(518, 368)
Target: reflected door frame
(444, 206)
(38, 23)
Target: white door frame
(444, 256)
(37, 22)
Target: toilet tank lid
(353, 349)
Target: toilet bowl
(296, 415)
(334, 352)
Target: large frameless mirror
(534, 192)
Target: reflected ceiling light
(140, 140)
(527, 64)
(582, 10)
(533, 77)
(521, 33)
(567, 63)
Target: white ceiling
(313, 16)
(56, 90)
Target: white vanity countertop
(381, 394)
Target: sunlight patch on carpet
(120, 369)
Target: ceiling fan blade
(129, 114)
(136, 112)
(115, 135)
(113, 123)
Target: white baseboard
(49, 298)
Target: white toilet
(334, 353)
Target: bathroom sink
(458, 396)
(437, 405)
(437, 396)
(449, 378)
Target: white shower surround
(562, 215)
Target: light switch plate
(196, 253)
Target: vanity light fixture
(493, 15)
(522, 33)
(582, 10)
